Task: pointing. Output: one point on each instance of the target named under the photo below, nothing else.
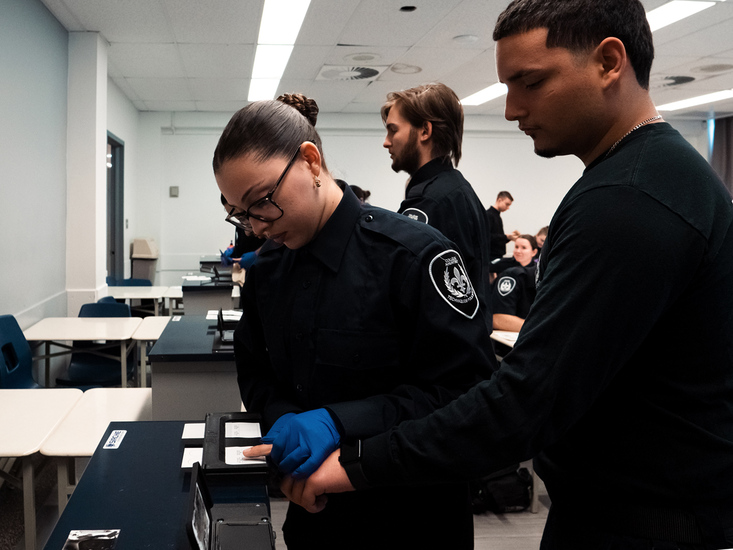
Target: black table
(191, 373)
(141, 489)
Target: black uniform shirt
(498, 238)
(374, 318)
(514, 291)
(623, 371)
(440, 196)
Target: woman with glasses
(361, 318)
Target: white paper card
(194, 430)
(191, 455)
(242, 429)
(233, 455)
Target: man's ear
(610, 55)
(426, 131)
(312, 156)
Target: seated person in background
(540, 238)
(514, 292)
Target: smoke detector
(348, 72)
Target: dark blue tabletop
(141, 489)
(189, 338)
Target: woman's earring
(316, 181)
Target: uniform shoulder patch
(451, 280)
(506, 285)
(415, 214)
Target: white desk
(57, 330)
(148, 331)
(27, 419)
(156, 293)
(173, 298)
(79, 433)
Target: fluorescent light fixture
(671, 12)
(699, 100)
(262, 88)
(487, 94)
(281, 21)
(279, 28)
(270, 61)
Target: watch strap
(350, 460)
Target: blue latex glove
(276, 427)
(247, 259)
(305, 442)
(226, 257)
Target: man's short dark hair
(505, 195)
(580, 25)
(437, 104)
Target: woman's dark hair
(361, 194)
(267, 129)
(580, 25)
(531, 239)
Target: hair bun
(304, 105)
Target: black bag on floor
(508, 490)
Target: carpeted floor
(11, 500)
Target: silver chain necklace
(642, 123)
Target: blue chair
(16, 363)
(91, 369)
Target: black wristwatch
(350, 460)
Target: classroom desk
(78, 434)
(55, 331)
(200, 296)
(149, 331)
(141, 489)
(172, 300)
(126, 293)
(188, 378)
(27, 419)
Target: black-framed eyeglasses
(264, 209)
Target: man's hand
(311, 493)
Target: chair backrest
(134, 282)
(105, 309)
(16, 361)
(107, 300)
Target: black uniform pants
(433, 517)
(576, 528)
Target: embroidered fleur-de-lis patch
(452, 283)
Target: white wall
(123, 122)
(176, 150)
(33, 62)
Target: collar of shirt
(330, 244)
(429, 170)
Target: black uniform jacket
(514, 291)
(440, 196)
(373, 319)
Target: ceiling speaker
(346, 73)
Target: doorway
(115, 209)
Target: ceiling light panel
(674, 11)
